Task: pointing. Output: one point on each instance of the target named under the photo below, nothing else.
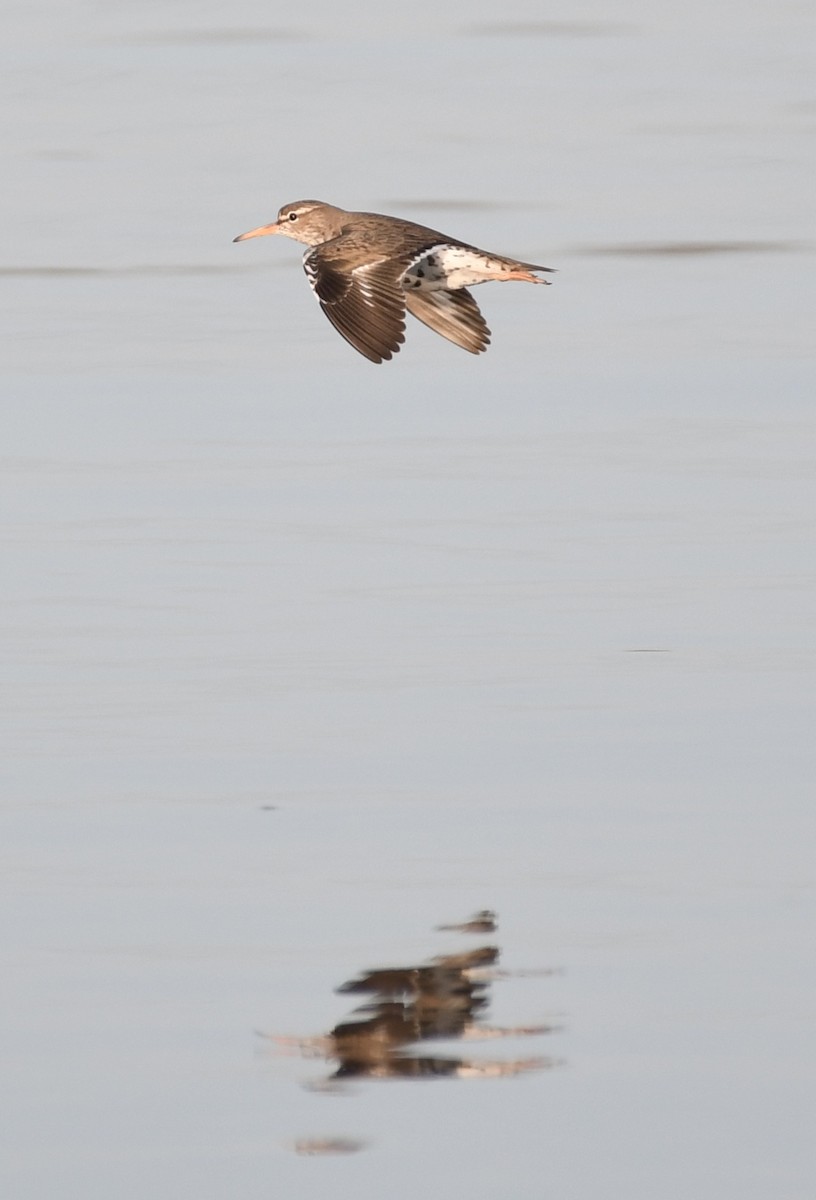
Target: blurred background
(304, 657)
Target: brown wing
(453, 314)
(364, 303)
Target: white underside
(446, 268)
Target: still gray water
(305, 657)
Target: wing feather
(455, 315)
(365, 303)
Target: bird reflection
(480, 922)
(445, 998)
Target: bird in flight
(366, 269)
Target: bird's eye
(293, 216)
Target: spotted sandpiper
(366, 269)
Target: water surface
(304, 657)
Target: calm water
(305, 657)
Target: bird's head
(308, 221)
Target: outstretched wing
(455, 315)
(365, 303)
